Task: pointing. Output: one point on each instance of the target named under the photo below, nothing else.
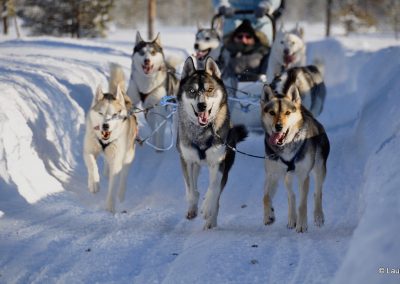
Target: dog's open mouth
(202, 54)
(289, 58)
(202, 117)
(105, 135)
(147, 68)
(278, 138)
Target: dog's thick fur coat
(295, 145)
(110, 130)
(204, 131)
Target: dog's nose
(202, 107)
(196, 46)
(146, 61)
(286, 51)
(106, 126)
(278, 127)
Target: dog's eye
(210, 90)
(101, 113)
(272, 113)
(292, 42)
(207, 38)
(153, 52)
(191, 90)
(115, 115)
(287, 113)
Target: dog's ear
(138, 38)
(199, 26)
(218, 27)
(119, 96)
(157, 40)
(268, 94)
(293, 94)
(212, 68)
(99, 94)
(188, 68)
(299, 31)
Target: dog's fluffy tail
(117, 77)
(238, 134)
(319, 63)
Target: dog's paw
(210, 223)
(291, 224)
(94, 187)
(319, 219)
(301, 226)
(269, 218)
(191, 214)
(291, 221)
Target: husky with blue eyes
(111, 130)
(205, 136)
(151, 79)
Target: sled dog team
(296, 144)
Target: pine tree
(77, 18)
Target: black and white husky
(207, 44)
(205, 136)
(151, 79)
(308, 81)
(296, 145)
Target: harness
(167, 83)
(291, 165)
(104, 145)
(202, 151)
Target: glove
(226, 11)
(259, 12)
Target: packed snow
(52, 230)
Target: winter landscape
(53, 230)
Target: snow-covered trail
(52, 230)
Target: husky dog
(151, 79)
(205, 136)
(309, 83)
(207, 44)
(295, 145)
(288, 50)
(110, 130)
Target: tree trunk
(151, 18)
(328, 17)
(4, 15)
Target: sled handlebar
(245, 12)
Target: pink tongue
(200, 54)
(288, 59)
(275, 137)
(203, 117)
(146, 69)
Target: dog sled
(244, 87)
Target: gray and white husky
(308, 81)
(110, 130)
(207, 44)
(288, 50)
(205, 136)
(295, 146)
(151, 79)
